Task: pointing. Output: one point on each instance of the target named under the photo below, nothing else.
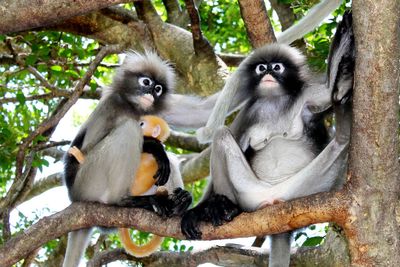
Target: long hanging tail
(135, 250)
(77, 243)
(279, 255)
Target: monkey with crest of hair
(152, 126)
(112, 142)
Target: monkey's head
(274, 70)
(144, 81)
(155, 127)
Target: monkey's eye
(158, 89)
(278, 67)
(261, 68)
(145, 81)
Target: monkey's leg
(77, 243)
(279, 255)
(221, 201)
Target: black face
(282, 69)
(143, 90)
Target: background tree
(54, 52)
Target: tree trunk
(372, 228)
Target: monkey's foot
(218, 209)
(221, 209)
(190, 224)
(269, 203)
(74, 151)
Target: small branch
(285, 13)
(231, 60)
(185, 141)
(176, 15)
(120, 14)
(196, 167)
(221, 255)
(200, 44)
(258, 25)
(323, 207)
(42, 186)
(6, 225)
(50, 144)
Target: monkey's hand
(217, 210)
(164, 205)
(156, 148)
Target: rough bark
(258, 25)
(373, 231)
(282, 217)
(20, 15)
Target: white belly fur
(280, 159)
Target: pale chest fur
(280, 146)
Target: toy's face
(153, 126)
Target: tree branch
(258, 25)
(330, 206)
(20, 15)
(201, 46)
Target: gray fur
(284, 165)
(112, 145)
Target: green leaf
(31, 59)
(56, 68)
(21, 98)
(313, 241)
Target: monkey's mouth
(268, 80)
(146, 101)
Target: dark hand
(217, 209)
(156, 148)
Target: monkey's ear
(156, 131)
(341, 60)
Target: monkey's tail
(136, 250)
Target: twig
(50, 144)
(200, 44)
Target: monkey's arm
(162, 204)
(156, 148)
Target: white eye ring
(145, 81)
(278, 67)
(158, 89)
(142, 124)
(261, 68)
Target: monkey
(155, 127)
(112, 143)
(277, 147)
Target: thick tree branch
(258, 25)
(331, 206)
(20, 15)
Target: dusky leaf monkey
(112, 142)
